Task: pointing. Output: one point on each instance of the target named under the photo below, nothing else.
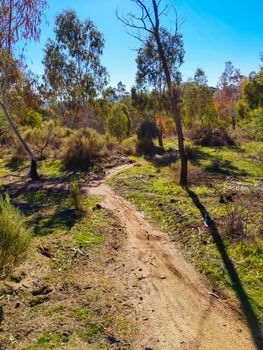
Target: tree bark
(33, 169)
(160, 136)
(160, 139)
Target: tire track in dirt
(173, 307)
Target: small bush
(118, 122)
(112, 143)
(32, 118)
(83, 148)
(234, 223)
(75, 195)
(205, 136)
(146, 133)
(128, 146)
(14, 238)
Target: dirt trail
(173, 307)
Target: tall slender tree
(145, 23)
(228, 94)
(19, 21)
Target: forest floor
(112, 280)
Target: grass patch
(48, 341)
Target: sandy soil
(173, 306)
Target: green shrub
(14, 237)
(146, 133)
(112, 143)
(255, 125)
(118, 122)
(32, 118)
(83, 148)
(75, 195)
(128, 146)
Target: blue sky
(214, 32)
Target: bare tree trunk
(160, 136)
(33, 169)
(174, 98)
(177, 119)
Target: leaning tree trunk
(174, 99)
(33, 169)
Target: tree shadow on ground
(47, 208)
(225, 167)
(17, 165)
(164, 158)
(251, 317)
(217, 163)
(62, 219)
(196, 155)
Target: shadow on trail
(251, 318)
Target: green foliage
(146, 133)
(48, 341)
(75, 194)
(32, 118)
(118, 122)
(197, 106)
(128, 145)
(253, 90)
(254, 124)
(242, 110)
(149, 66)
(73, 72)
(84, 147)
(14, 237)
(250, 108)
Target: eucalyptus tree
(165, 55)
(73, 71)
(19, 21)
(228, 94)
(197, 101)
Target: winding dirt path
(172, 305)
